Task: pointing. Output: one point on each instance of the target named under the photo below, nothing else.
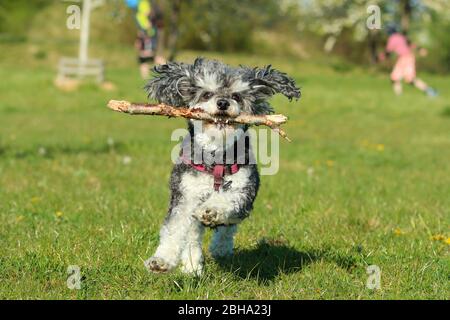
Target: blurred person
(405, 66)
(150, 22)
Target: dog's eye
(236, 97)
(207, 95)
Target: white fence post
(83, 66)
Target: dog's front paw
(157, 265)
(209, 217)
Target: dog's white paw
(209, 217)
(157, 265)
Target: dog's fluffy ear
(172, 84)
(267, 81)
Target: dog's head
(219, 89)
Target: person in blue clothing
(150, 22)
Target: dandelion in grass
(398, 232)
(380, 147)
(441, 238)
(59, 214)
(438, 237)
(330, 163)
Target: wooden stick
(272, 121)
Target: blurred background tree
(16, 17)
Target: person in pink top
(405, 67)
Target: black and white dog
(216, 189)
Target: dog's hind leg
(222, 241)
(192, 255)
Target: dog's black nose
(223, 104)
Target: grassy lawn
(366, 181)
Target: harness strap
(218, 171)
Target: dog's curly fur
(222, 91)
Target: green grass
(365, 181)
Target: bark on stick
(272, 121)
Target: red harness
(218, 171)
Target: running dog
(214, 182)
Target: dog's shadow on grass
(269, 259)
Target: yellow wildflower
(380, 147)
(398, 232)
(447, 241)
(59, 214)
(330, 163)
(438, 237)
